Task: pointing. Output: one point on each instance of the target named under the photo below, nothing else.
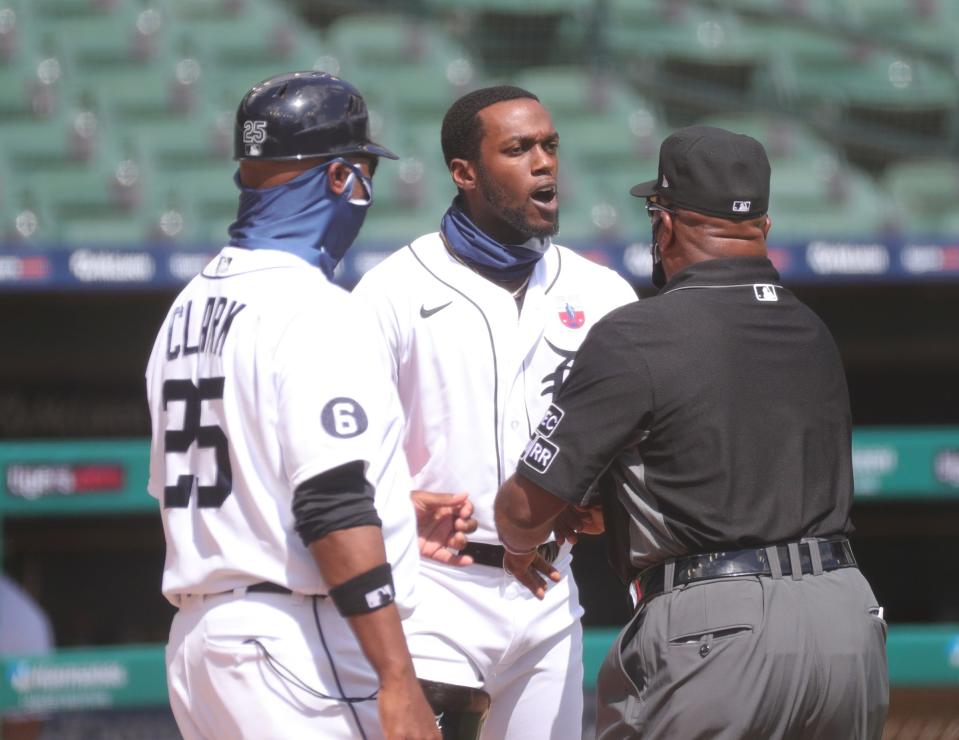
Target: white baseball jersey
(259, 380)
(475, 375)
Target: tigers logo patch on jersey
(571, 317)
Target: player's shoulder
(573, 269)
(581, 266)
(276, 284)
(404, 264)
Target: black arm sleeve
(338, 498)
(599, 410)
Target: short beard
(514, 217)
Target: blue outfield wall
(153, 266)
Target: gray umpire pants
(750, 657)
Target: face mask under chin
(658, 276)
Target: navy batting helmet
(303, 114)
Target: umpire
(715, 420)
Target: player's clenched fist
(442, 522)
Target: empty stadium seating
(116, 120)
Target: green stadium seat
(699, 63)
(600, 120)
(596, 207)
(881, 15)
(88, 202)
(173, 142)
(820, 199)
(215, 231)
(795, 54)
(17, 32)
(21, 81)
(782, 137)
(384, 40)
(32, 141)
(574, 91)
(926, 195)
(192, 202)
(413, 94)
(104, 228)
(248, 40)
(143, 92)
(167, 217)
(504, 35)
(26, 217)
(884, 108)
(99, 39)
(208, 186)
(426, 71)
(73, 185)
(63, 9)
(632, 26)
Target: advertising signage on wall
(47, 477)
(165, 267)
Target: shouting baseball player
(291, 542)
(481, 322)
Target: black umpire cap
(711, 171)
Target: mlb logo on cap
(741, 206)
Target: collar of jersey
(431, 250)
(250, 260)
(718, 272)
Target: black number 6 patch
(344, 417)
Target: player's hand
(442, 522)
(404, 711)
(576, 520)
(529, 570)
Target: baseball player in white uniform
(277, 453)
(481, 322)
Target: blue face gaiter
(302, 217)
(509, 261)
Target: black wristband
(366, 592)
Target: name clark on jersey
(210, 333)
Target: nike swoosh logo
(427, 312)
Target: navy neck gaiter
(485, 254)
(302, 217)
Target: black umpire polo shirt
(719, 408)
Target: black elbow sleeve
(339, 498)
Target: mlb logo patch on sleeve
(539, 454)
(765, 292)
(551, 419)
(380, 597)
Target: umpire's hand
(576, 520)
(529, 569)
(442, 522)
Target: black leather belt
(492, 555)
(265, 587)
(833, 554)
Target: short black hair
(462, 131)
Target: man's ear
(664, 234)
(337, 174)
(463, 174)
(767, 225)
